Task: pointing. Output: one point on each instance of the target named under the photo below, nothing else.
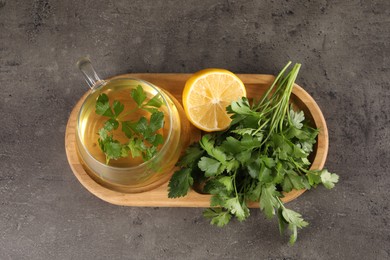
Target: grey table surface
(344, 47)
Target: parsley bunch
(263, 153)
(142, 134)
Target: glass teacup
(128, 174)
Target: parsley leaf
(218, 216)
(213, 186)
(322, 176)
(244, 156)
(218, 200)
(231, 145)
(254, 168)
(103, 106)
(227, 182)
(294, 218)
(208, 145)
(138, 95)
(240, 107)
(117, 107)
(149, 153)
(254, 192)
(113, 149)
(111, 124)
(329, 179)
(155, 101)
(136, 147)
(295, 221)
(141, 127)
(297, 118)
(191, 156)
(210, 166)
(155, 139)
(128, 128)
(156, 121)
(244, 131)
(268, 201)
(103, 134)
(265, 174)
(235, 207)
(314, 177)
(180, 183)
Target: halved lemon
(206, 95)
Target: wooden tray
(174, 83)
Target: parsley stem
(281, 205)
(290, 86)
(299, 167)
(260, 127)
(234, 182)
(120, 117)
(274, 83)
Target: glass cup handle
(91, 77)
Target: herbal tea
(130, 134)
(110, 123)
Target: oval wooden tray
(256, 84)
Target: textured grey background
(343, 45)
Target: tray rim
(158, 196)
